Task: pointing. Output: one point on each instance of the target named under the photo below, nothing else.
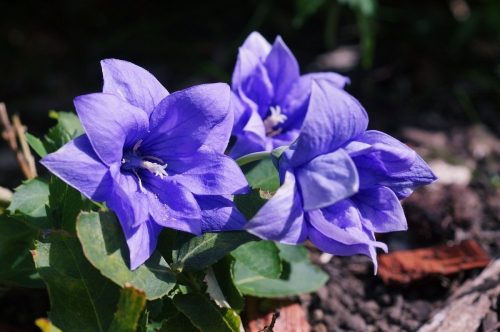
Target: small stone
(356, 323)
(318, 315)
(323, 293)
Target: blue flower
(155, 158)
(340, 182)
(270, 98)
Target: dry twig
(11, 134)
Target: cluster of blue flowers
(157, 159)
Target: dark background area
(429, 64)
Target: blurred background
(426, 71)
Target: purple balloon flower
(270, 98)
(155, 158)
(340, 183)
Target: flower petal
(208, 173)
(185, 120)
(257, 88)
(141, 241)
(257, 44)
(333, 118)
(110, 123)
(77, 164)
(219, 214)
(282, 68)
(381, 210)
(172, 205)
(334, 247)
(382, 160)
(127, 199)
(327, 179)
(132, 83)
(251, 139)
(281, 218)
(297, 99)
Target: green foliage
(263, 178)
(191, 283)
(80, 297)
(16, 240)
(105, 247)
(192, 253)
(268, 262)
(298, 275)
(205, 315)
(30, 199)
(68, 127)
(222, 271)
(36, 144)
(65, 204)
(130, 306)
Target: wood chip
(404, 267)
(288, 316)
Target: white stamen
(273, 120)
(156, 169)
(141, 188)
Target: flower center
(133, 160)
(273, 120)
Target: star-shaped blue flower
(155, 158)
(270, 97)
(340, 182)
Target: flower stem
(252, 157)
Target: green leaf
(262, 174)
(16, 263)
(81, 298)
(30, 199)
(222, 271)
(251, 203)
(68, 127)
(260, 257)
(130, 306)
(65, 204)
(192, 253)
(299, 276)
(104, 246)
(36, 144)
(204, 314)
(178, 323)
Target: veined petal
(281, 218)
(127, 199)
(246, 63)
(285, 138)
(257, 44)
(141, 241)
(172, 205)
(342, 223)
(334, 247)
(251, 139)
(333, 118)
(382, 160)
(257, 88)
(381, 210)
(209, 173)
(327, 179)
(77, 164)
(110, 124)
(296, 100)
(132, 83)
(184, 121)
(282, 68)
(219, 214)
